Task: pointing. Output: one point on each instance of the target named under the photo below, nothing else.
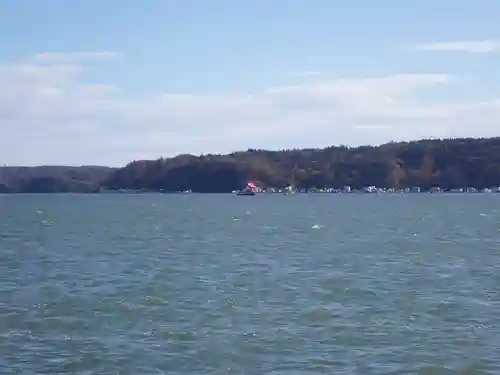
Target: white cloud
(51, 57)
(310, 73)
(49, 115)
(480, 46)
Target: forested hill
(53, 179)
(451, 163)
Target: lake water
(272, 284)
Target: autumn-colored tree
(448, 163)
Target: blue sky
(106, 82)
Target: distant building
(370, 189)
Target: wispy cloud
(48, 114)
(310, 73)
(59, 57)
(478, 46)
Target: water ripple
(157, 284)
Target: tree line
(447, 163)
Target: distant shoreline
(354, 193)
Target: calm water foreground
(201, 284)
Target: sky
(107, 82)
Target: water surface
(220, 284)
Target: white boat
(289, 190)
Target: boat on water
(289, 190)
(248, 190)
(245, 192)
